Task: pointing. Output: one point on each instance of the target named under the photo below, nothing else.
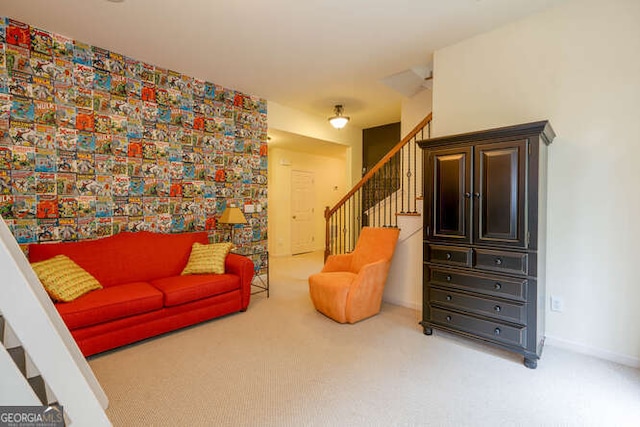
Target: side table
(260, 258)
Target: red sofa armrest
(242, 267)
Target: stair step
(408, 214)
(37, 384)
(18, 356)
(51, 396)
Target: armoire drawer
(450, 255)
(506, 262)
(489, 285)
(498, 309)
(485, 328)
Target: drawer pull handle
(497, 308)
(496, 331)
(448, 277)
(498, 261)
(448, 318)
(497, 286)
(467, 195)
(449, 298)
(448, 255)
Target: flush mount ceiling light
(338, 121)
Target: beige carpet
(283, 364)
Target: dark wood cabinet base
(531, 363)
(530, 360)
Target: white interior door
(302, 211)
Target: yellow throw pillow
(207, 259)
(63, 279)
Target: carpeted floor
(283, 364)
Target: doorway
(302, 211)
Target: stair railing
(390, 188)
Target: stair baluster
(379, 196)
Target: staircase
(40, 363)
(30, 375)
(391, 190)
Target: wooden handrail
(378, 166)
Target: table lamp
(232, 215)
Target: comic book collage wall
(93, 143)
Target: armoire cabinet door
(499, 193)
(448, 189)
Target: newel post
(327, 238)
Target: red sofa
(143, 292)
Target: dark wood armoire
(484, 236)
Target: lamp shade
(232, 215)
(338, 121)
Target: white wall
(404, 283)
(577, 65)
(330, 185)
(297, 122)
(341, 171)
(415, 109)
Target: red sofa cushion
(181, 289)
(111, 303)
(126, 257)
(105, 336)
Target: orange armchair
(349, 287)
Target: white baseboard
(408, 304)
(633, 362)
(289, 254)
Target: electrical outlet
(557, 303)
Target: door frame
(295, 247)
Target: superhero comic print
(93, 143)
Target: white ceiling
(305, 54)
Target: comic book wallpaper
(93, 143)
